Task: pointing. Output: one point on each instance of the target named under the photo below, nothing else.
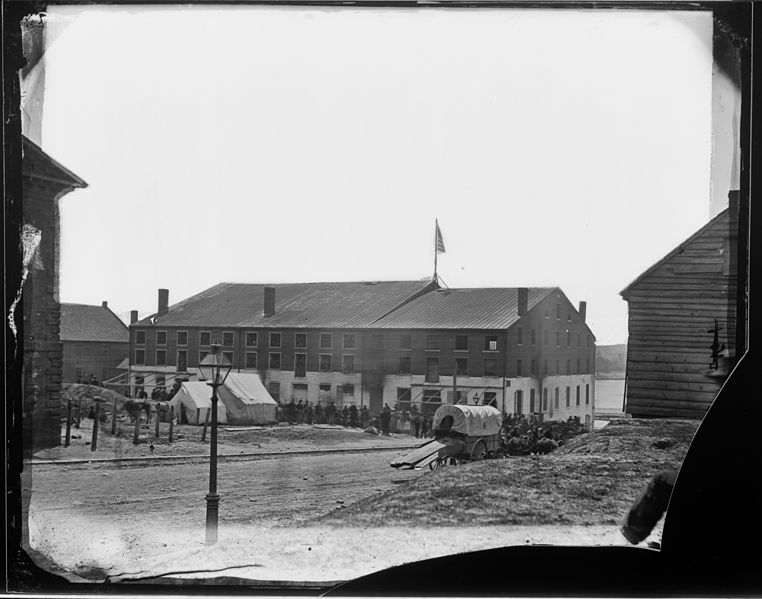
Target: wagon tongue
(428, 452)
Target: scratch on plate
(30, 243)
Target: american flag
(438, 241)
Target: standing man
(386, 416)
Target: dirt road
(273, 490)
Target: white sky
(275, 144)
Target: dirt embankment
(593, 479)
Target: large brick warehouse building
(525, 350)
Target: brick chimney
(163, 302)
(133, 316)
(104, 304)
(582, 310)
(269, 301)
(523, 300)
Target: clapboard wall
(672, 311)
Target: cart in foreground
(461, 433)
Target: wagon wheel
(479, 450)
(436, 464)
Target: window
(325, 362)
(274, 339)
(578, 361)
(533, 366)
(348, 363)
(377, 341)
(568, 397)
(326, 340)
(140, 337)
(406, 342)
(432, 342)
(251, 359)
(555, 399)
(534, 337)
(587, 395)
(490, 367)
(274, 388)
(139, 380)
(545, 337)
(531, 401)
(161, 337)
(202, 354)
(558, 311)
(518, 402)
(544, 400)
(161, 357)
(182, 337)
(519, 336)
(490, 343)
(182, 360)
(227, 338)
(349, 341)
(558, 366)
(587, 364)
(579, 340)
(324, 393)
(160, 380)
(324, 387)
(300, 364)
(432, 370)
(432, 395)
(405, 364)
(403, 397)
(489, 399)
(558, 339)
(348, 393)
(204, 338)
(568, 366)
(229, 356)
(461, 366)
(275, 361)
(568, 339)
(300, 340)
(547, 314)
(299, 392)
(568, 317)
(461, 342)
(577, 394)
(545, 367)
(140, 356)
(518, 367)
(251, 339)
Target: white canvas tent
(192, 401)
(247, 400)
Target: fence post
(79, 412)
(156, 434)
(171, 421)
(68, 424)
(206, 423)
(137, 426)
(96, 422)
(113, 419)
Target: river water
(609, 394)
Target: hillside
(611, 359)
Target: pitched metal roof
(297, 305)
(80, 322)
(479, 308)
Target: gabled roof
(625, 292)
(297, 305)
(480, 308)
(80, 322)
(36, 163)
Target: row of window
(349, 340)
(546, 338)
(558, 313)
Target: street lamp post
(214, 368)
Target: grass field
(593, 479)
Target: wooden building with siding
(673, 307)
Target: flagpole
(436, 225)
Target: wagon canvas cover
(474, 421)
